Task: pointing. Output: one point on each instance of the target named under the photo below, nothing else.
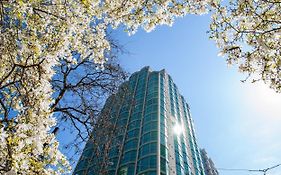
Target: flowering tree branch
(248, 33)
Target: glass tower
(149, 131)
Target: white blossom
(248, 34)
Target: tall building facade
(209, 166)
(151, 131)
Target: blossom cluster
(249, 34)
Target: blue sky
(239, 124)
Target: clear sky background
(239, 124)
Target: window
(133, 133)
(163, 151)
(136, 115)
(151, 108)
(163, 165)
(152, 101)
(134, 124)
(150, 148)
(147, 163)
(163, 138)
(150, 126)
(163, 128)
(152, 95)
(150, 117)
(138, 107)
(114, 151)
(148, 137)
(129, 156)
(131, 144)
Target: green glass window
(136, 116)
(122, 122)
(150, 148)
(134, 124)
(151, 108)
(139, 96)
(150, 117)
(129, 156)
(133, 133)
(114, 151)
(138, 107)
(163, 165)
(163, 151)
(150, 126)
(163, 138)
(152, 95)
(148, 162)
(131, 144)
(152, 101)
(148, 137)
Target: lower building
(209, 166)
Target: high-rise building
(209, 166)
(150, 131)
